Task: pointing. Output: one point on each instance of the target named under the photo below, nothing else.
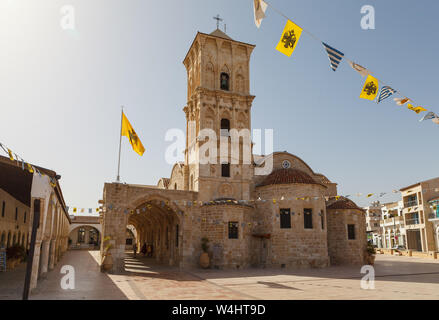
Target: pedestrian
(149, 251)
(135, 249)
(144, 249)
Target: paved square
(396, 278)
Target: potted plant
(370, 254)
(204, 258)
(107, 259)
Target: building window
(285, 219)
(351, 231)
(81, 235)
(24, 219)
(225, 170)
(176, 235)
(322, 217)
(3, 209)
(16, 213)
(224, 81)
(307, 218)
(175, 186)
(225, 127)
(233, 230)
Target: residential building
(373, 217)
(417, 212)
(392, 225)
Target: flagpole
(120, 145)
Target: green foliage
(205, 244)
(16, 252)
(370, 249)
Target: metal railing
(412, 221)
(410, 203)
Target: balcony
(392, 221)
(412, 221)
(410, 203)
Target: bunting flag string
(288, 42)
(190, 203)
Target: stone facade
(276, 219)
(17, 199)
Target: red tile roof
(342, 203)
(287, 176)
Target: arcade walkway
(396, 278)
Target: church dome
(342, 203)
(287, 176)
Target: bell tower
(218, 103)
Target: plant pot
(12, 263)
(371, 260)
(107, 263)
(204, 260)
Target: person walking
(144, 249)
(135, 249)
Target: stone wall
(296, 246)
(341, 249)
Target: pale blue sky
(61, 91)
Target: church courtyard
(397, 277)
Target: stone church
(288, 217)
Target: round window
(286, 164)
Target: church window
(224, 81)
(285, 219)
(24, 219)
(351, 231)
(225, 170)
(322, 216)
(16, 213)
(233, 230)
(175, 186)
(3, 209)
(307, 218)
(225, 127)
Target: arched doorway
(84, 237)
(158, 226)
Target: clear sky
(61, 91)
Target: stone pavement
(396, 278)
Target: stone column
(52, 257)
(45, 257)
(35, 265)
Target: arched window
(175, 186)
(8, 244)
(192, 182)
(81, 235)
(225, 127)
(224, 81)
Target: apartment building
(418, 202)
(393, 232)
(373, 217)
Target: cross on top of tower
(218, 19)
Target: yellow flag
(290, 37)
(10, 155)
(417, 109)
(29, 168)
(370, 88)
(128, 131)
